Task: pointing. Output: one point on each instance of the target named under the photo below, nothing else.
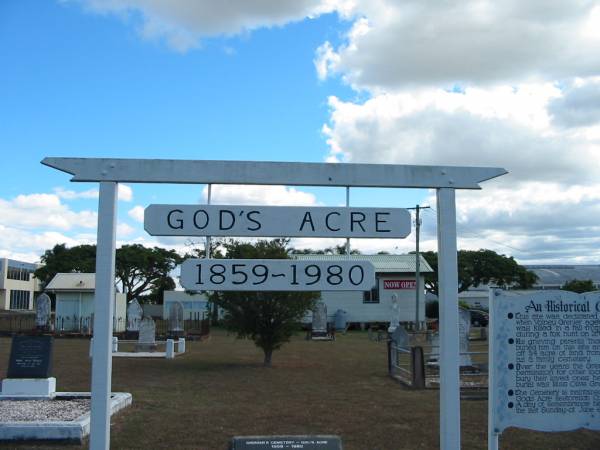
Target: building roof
(382, 263)
(72, 282)
(557, 275)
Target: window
(18, 273)
(371, 296)
(19, 299)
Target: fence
(417, 365)
(84, 326)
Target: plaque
(30, 357)
(545, 361)
(286, 442)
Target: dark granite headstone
(30, 357)
(286, 442)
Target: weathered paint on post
(448, 301)
(103, 317)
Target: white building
(395, 275)
(18, 286)
(75, 302)
(194, 305)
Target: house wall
(194, 305)
(75, 310)
(358, 311)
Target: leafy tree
(335, 250)
(61, 259)
(268, 318)
(481, 267)
(140, 270)
(579, 286)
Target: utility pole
(417, 262)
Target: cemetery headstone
(134, 316)
(176, 320)
(30, 357)
(545, 361)
(464, 328)
(286, 443)
(147, 336)
(42, 312)
(395, 315)
(319, 321)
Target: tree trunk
(268, 357)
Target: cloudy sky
(506, 84)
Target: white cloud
(43, 210)
(183, 23)
(398, 44)
(125, 193)
(259, 195)
(137, 213)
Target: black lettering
(178, 221)
(378, 221)
(221, 219)
(359, 222)
(249, 216)
(307, 219)
(196, 219)
(327, 221)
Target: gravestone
(286, 442)
(395, 315)
(42, 312)
(29, 368)
(147, 336)
(30, 357)
(134, 316)
(319, 321)
(176, 320)
(464, 328)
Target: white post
(103, 314)
(492, 434)
(170, 350)
(181, 345)
(448, 311)
(347, 206)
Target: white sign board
(545, 358)
(276, 221)
(276, 275)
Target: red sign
(399, 284)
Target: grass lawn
(220, 389)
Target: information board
(30, 357)
(545, 358)
(286, 442)
(276, 221)
(276, 275)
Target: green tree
(483, 266)
(142, 271)
(579, 286)
(268, 318)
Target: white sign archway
(110, 172)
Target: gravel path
(42, 410)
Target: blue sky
(305, 81)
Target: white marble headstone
(176, 317)
(464, 327)
(319, 321)
(395, 314)
(134, 315)
(42, 311)
(401, 337)
(147, 331)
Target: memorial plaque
(276, 221)
(545, 361)
(276, 275)
(30, 357)
(286, 442)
